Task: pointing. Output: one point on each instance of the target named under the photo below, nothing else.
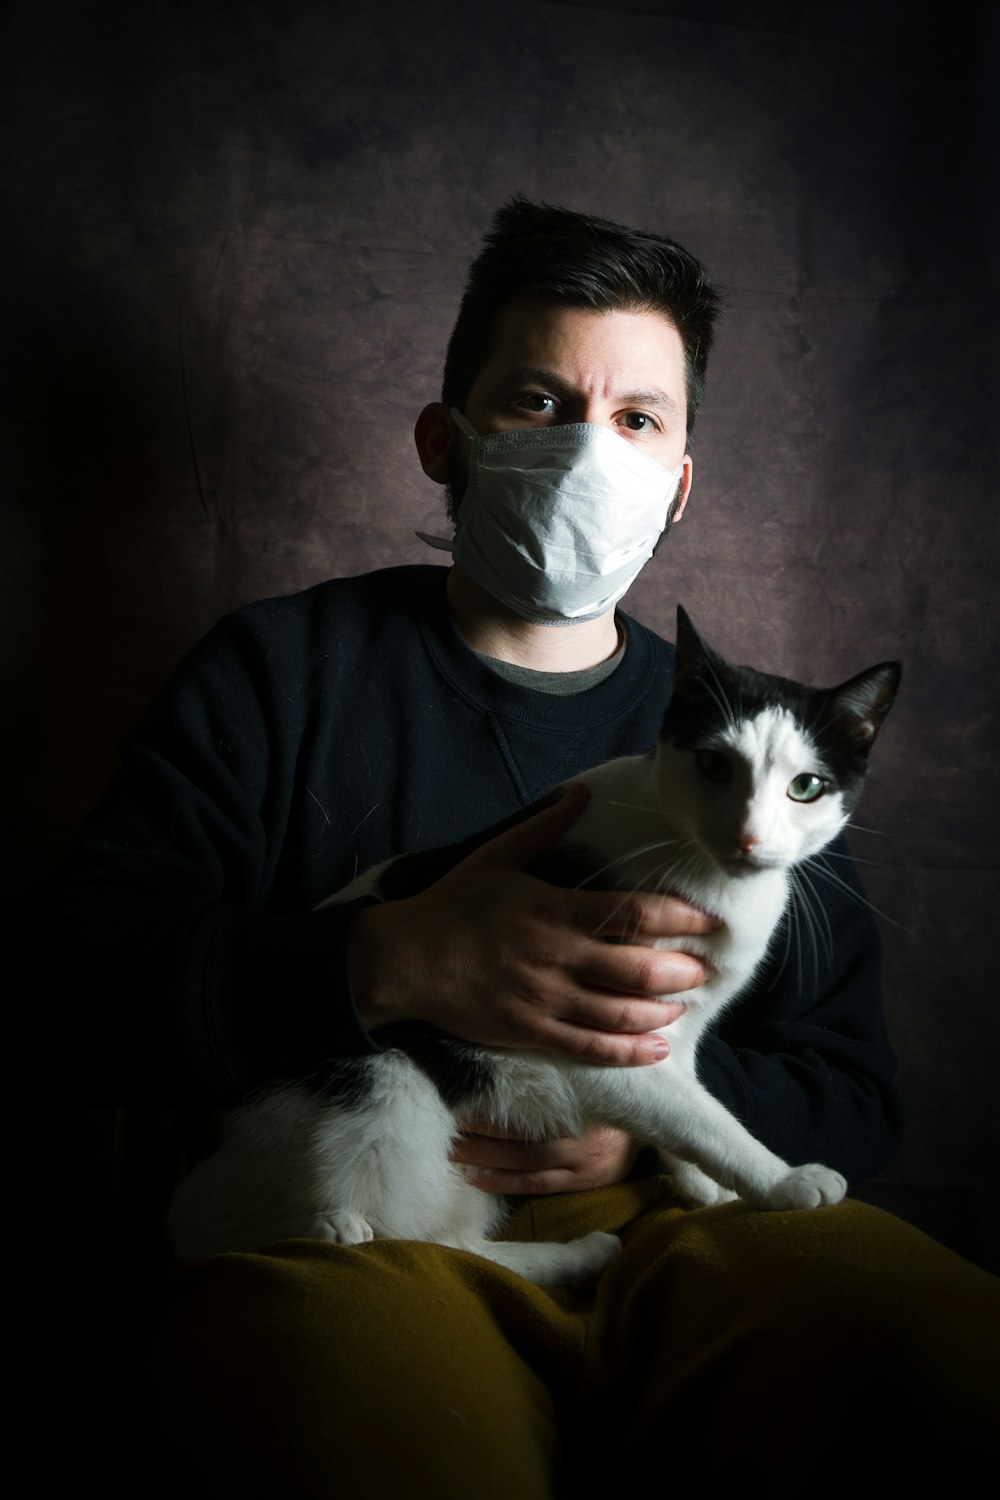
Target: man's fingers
(512, 1153)
(521, 1183)
(639, 914)
(627, 973)
(608, 1049)
(498, 1163)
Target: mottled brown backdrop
(236, 237)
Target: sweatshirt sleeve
(179, 981)
(803, 1059)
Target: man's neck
(494, 630)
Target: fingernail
(661, 1050)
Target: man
(306, 739)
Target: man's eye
(535, 401)
(640, 421)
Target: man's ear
(434, 433)
(687, 477)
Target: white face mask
(557, 523)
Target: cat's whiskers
(642, 883)
(681, 875)
(623, 859)
(790, 928)
(817, 863)
(800, 921)
(657, 812)
(785, 926)
(792, 924)
(852, 859)
(657, 880)
(812, 917)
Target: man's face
(551, 364)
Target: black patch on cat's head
(710, 694)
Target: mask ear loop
(463, 424)
(466, 428)
(440, 542)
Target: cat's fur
(363, 1151)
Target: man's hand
(507, 1164)
(491, 954)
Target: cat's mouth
(741, 863)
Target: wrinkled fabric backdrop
(236, 238)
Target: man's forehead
(635, 351)
(535, 318)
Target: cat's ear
(690, 653)
(691, 647)
(857, 708)
(697, 661)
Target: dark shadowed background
(236, 236)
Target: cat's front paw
(811, 1186)
(344, 1227)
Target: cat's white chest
(733, 954)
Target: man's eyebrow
(653, 397)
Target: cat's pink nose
(746, 842)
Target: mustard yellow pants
(827, 1352)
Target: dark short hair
(556, 255)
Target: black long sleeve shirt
(310, 736)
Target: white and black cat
(752, 775)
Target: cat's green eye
(714, 766)
(806, 788)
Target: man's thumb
(518, 846)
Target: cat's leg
(668, 1107)
(552, 1264)
(369, 1162)
(694, 1185)
(343, 1228)
(473, 1217)
(294, 1165)
(385, 1166)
